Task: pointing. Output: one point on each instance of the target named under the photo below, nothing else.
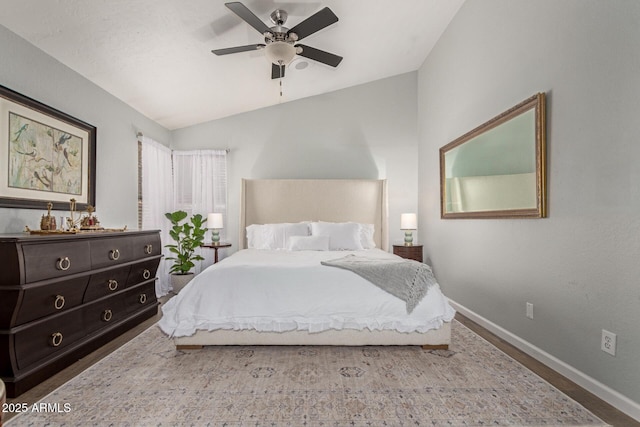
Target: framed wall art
(45, 155)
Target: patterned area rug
(148, 382)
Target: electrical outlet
(608, 343)
(530, 310)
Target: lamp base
(215, 237)
(408, 238)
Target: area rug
(148, 382)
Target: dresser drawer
(140, 297)
(49, 260)
(107, 282)
(146, 246)
(111, 251)
(142, 271)
(48, 299)
(46, 338)
(8, 305)
(103, 313)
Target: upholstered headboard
(269, 201)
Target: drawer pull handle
(59, 302)
(143, 298)
(107, 315)
(63, 263)
(114, 254)
(146, 274)
(56, 339)
(148, 249)
(113, 285)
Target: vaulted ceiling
(155, 55)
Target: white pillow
(255, 236)
(366, 236)
(343, 236)
(274, 236)
(308, 243)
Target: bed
(246, 300)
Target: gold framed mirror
(498, 169)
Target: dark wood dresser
(63, 296)
(413, 252)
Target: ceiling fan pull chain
(281, 67)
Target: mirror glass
(498, 169)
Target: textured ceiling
(155, 55)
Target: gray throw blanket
(405, 279)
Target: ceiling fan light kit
(280, 48)
(280, 53)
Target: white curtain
(200, 187)
(157, 199)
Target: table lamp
(408, 223)
(214, 223)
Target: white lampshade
(408, 221)
(214, 220)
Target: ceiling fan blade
(243, 12)
(319, 55)
(237, 49)
(277, 71)
(314, 23)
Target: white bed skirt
(434, 338)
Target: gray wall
(367, 131)
(31, 72)
(579, 267)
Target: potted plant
(188, 236)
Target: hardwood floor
(600, 408)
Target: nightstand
(409, 252)
(215, 247)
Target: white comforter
(290, 290)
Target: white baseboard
(614, 398)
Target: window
(193, 181)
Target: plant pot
(179, 281)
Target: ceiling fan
(280, 42)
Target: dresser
(63, 296)
(413, 252)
